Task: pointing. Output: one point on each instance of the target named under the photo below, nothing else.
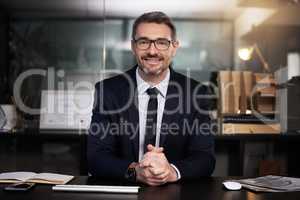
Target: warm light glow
(245, 53)
(248, 112)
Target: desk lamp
(246, 53)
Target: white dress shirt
(143, 99)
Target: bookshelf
(247, 103)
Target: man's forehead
(153, 31)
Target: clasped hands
(154, 168)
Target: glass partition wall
(73, 53)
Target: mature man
(151, 124)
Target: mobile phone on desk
(19, 187)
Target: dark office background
(53, 36)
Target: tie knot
(152, 92)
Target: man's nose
(152, 49)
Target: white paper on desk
(259, 189)
(21, 176)
(97, 188)
(269, 183)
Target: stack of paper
(271, 184)
(46, 178)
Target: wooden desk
(204, 189)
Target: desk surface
(204, 189)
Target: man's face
(153, 61)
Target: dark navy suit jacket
(113, 140)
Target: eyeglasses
(160, 44)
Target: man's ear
(132, 47)
(175, 47)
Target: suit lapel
(134, 120)
(171, 104)
(133, 113)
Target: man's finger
(152, 148)
(153, 183)
(155, 171)
(145, 163)
(157, 181)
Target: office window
(206, 45)
(78, 46)
(80, 50)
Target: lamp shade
(246, 54)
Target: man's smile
(152, 60)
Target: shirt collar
(143, 85)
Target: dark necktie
(151, 122)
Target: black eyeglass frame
(154, 42)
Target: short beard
(146, 71)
